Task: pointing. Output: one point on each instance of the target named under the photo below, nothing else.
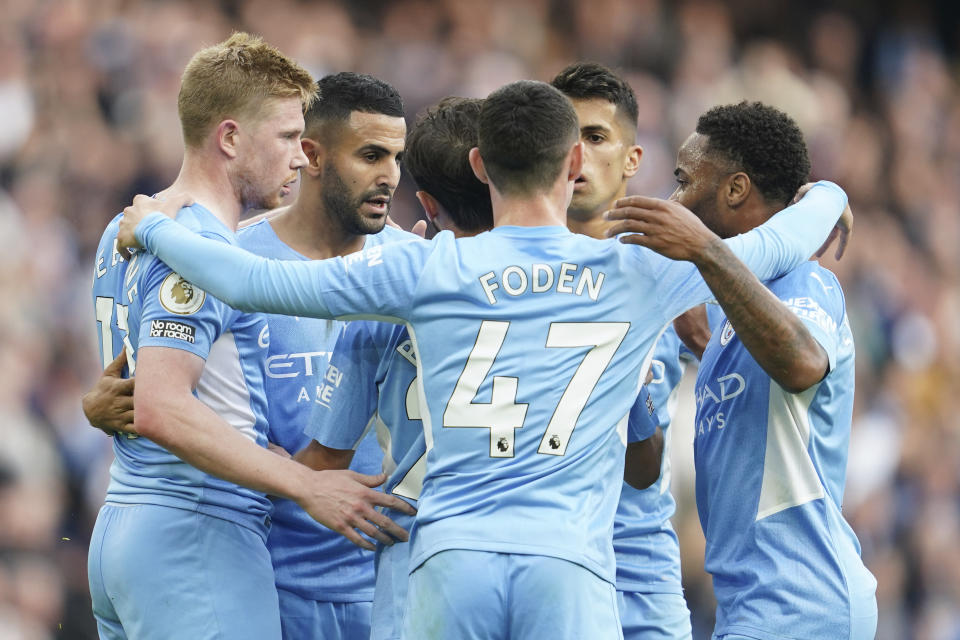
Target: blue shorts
(495, 596)
(302, 618)
(390, 593)
(657, 616)
(170, 574)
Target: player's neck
(209, 187)
(307, 229)
(593, 225)
(545, 208)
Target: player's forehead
(280, 114)
(364, 129)
(692, 153)
(595, 112)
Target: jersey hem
(464, 544)
(645, 587)
(330, 596)
(761, 634)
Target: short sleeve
(177, 314)
(643, 420)
(816, 298)
(343, 421)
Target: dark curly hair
(763, 142)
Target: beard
(344, 207)
(252, 194)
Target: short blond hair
(233, 79)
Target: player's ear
(315, 153)
(476, 163)
(430, 205)
(633, 161)
(576, 162)
(737, 189)
(228, 137)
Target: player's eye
(595, 138)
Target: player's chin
(374, 224)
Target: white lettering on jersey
(285, 365)
(727, 387)
(406, 350)
(540, 278)
(324, 393)
(807, 308)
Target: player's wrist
(711, 252)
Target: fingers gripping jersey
(531, 345)
(770, 474)
(144, 303)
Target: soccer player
(353, 139)
(649, 590)
(774, 404)
(531, 345)
(186, 500)
(376, 361)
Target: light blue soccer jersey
(376, 363)
(531, 344)
(309, 559)
(770, 469)
(647, 549)
(147, 304)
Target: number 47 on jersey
(503, 414)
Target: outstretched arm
(377, 283)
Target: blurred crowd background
(87, 119)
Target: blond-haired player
(178, 550)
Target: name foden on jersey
(542, 278)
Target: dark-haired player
(532, 342)
(649, 589)
(774, 404)
(353, 139)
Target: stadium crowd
(87, 89)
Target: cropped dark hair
(340, 94)
(526, 131)
(762, 141)
(587, 80)
(437, 158)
